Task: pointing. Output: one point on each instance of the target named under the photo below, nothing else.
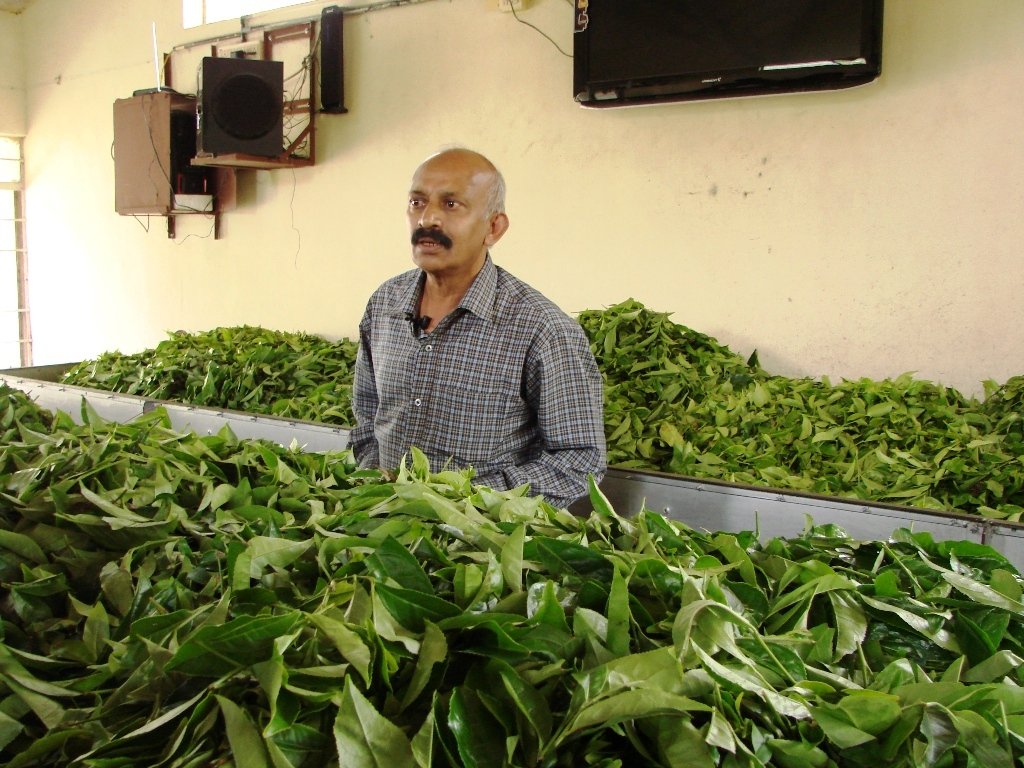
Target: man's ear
(499, 225)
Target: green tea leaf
(479, 737)
(246, 743)
(347, 641)
(213, 651)
(366, 739)
(412, 608)
(391, 561)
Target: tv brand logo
(582, 17)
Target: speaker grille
(242, 107)
(245, 106)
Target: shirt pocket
(472, 422)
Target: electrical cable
(541, 31)
(293, 121)
(213, 226)
(298, 232)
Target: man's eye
(415, 203)
(450, 203)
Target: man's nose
(430, 215)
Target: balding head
(481, 169)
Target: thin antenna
(156, 59)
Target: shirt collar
(479, 299)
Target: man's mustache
(425, 233)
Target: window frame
(18, 248)
(197, 13)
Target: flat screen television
(630, 52)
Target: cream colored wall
(12, 77)
(865, 232)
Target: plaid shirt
(505, 384)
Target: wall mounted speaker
(332, 61)
(241, 107)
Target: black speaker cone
(241, 107)
(245, 106)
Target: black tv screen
(647, 51)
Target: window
(15, 331)
(197, 12)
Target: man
(469, 364)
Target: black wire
(298, 232)
(213, 226)
(512, 8)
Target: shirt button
(417, 402)
(428, 347)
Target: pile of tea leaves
(678, 401)
(242, 368)
(675, 400)
(184, 600)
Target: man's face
(448, 218)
